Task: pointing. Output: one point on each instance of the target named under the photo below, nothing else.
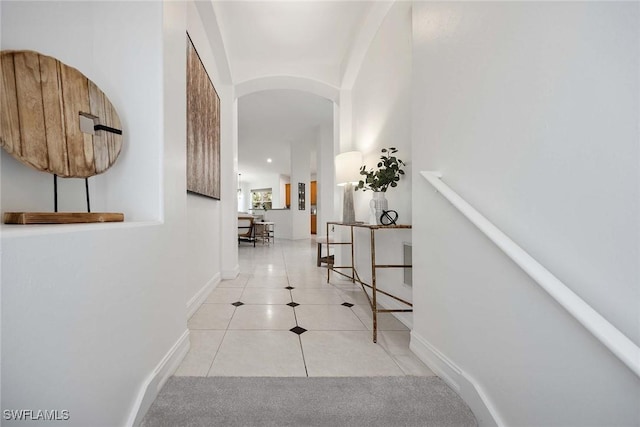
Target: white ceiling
(269, 122)
(299, 38)
(309, 39)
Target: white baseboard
(231, 274)
(389, 303)
(463, 384)
(196, 301)
(405, 318)
(151, 387)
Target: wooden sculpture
(54, 119)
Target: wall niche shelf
(24, 218)
(56, 120)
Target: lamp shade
(348, 167)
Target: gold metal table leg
(353, 261)
(373, 286)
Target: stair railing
(618, 343)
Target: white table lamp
(348, 173)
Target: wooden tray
(61, 217)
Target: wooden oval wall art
(56, 120)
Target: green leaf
(385, 175)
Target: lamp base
(348, 211)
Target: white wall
(381, 98)
(131, 186)
(229, 171)
(217, 227)
(282, 219)
(204, 215)
(300, 173)
(267, 180)
(245, 200)
(530, 111)
(246, 191)
(381, 118)
(90, 311)
(94, 309)
(326, 179)
(284, 180)
(0, 254)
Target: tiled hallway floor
(281, 318)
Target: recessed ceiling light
(269, 160)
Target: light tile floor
(244, 328)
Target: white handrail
(625, 349)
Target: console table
(373, 300)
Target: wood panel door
(314, 224)
(287, 195)
(314, 192)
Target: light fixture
(269, 160)
(348, 173)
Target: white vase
(377, 204)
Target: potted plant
(387, 175)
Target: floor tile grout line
(391, 355)
(288, 330)
(274, 330)
(295, 316)
(283, 330)
(288, 259)
(304, 359)
(223, 337)
(355, 314)
(216, 353)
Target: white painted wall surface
(326, 179)
(530, 111)
(300, 173)
(0, 254)
(202, 21)
(381, 118)
(268, 180)
(90, 310)
(381, 99)
(281, 218)
(204, 215)
(229, 170)
(284, 180)
(339, 146)
(245, 200)
(131, 185)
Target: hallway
(518, 123)
(281, 318)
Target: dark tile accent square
(293, 304)
(298, 330)
(347, 304)
(289, 287)
(237, 303)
